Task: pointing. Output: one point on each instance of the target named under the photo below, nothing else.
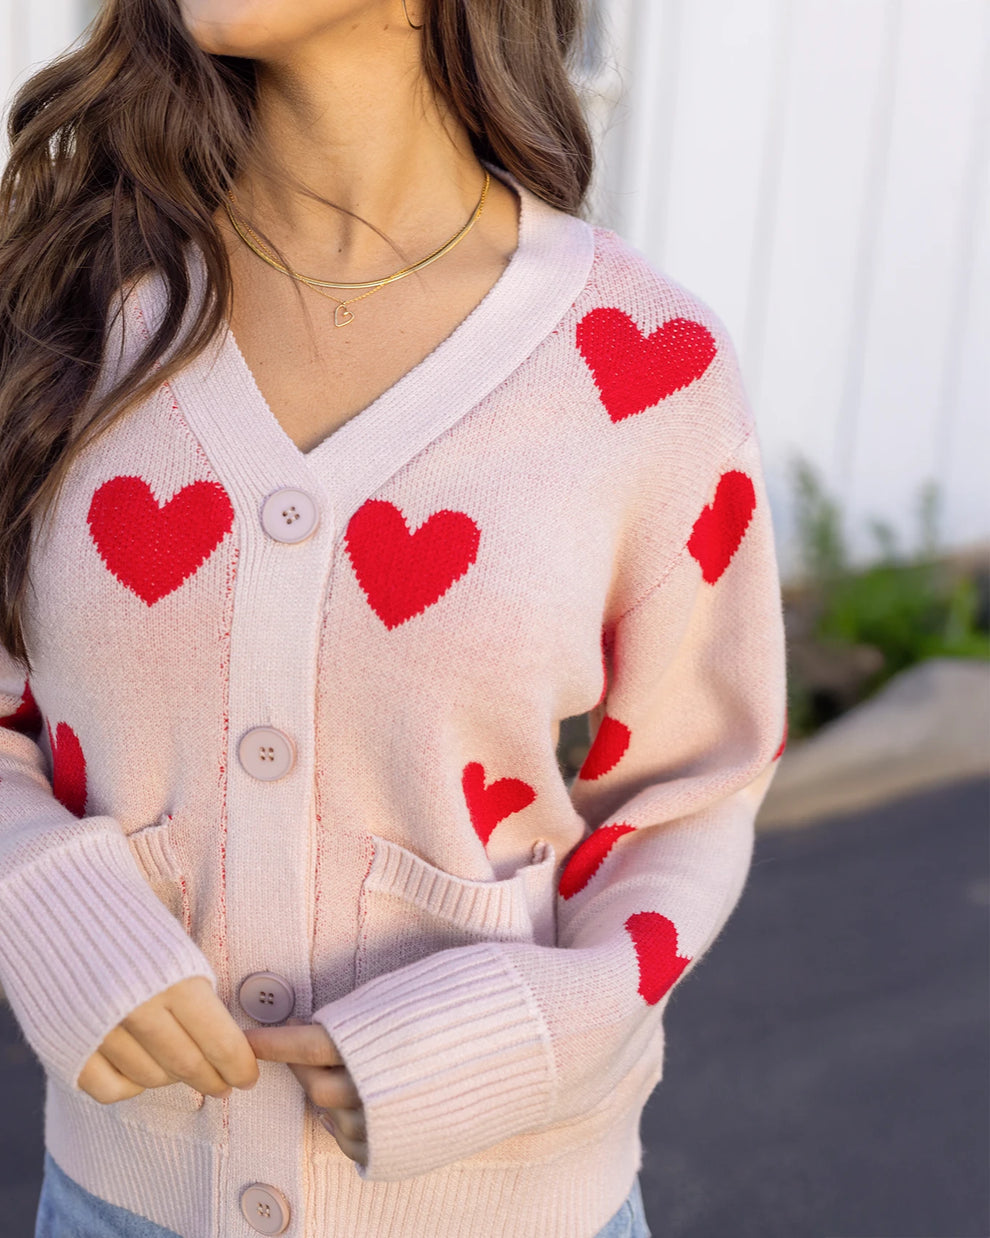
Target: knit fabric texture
(560, 510)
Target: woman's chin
(247, 41)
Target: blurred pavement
(827, 1069)
(928, 726)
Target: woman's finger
(305, 1043)
(349, 1123)
(133, 1061)
(211, 1026)
(104, 1082)
(172, 1047)
(355, 1149)
(328, 1087)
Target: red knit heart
(26, 718)
(587, 859)
(609, 745)
(402, 573)
(720, 528)
(492, 804)
(660, 966)
(68, 768)
(153, 549)
(633, 371)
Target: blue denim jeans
(630, 1220)
(66, 1210)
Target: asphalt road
(828, 1064)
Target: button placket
(288, 515)
(286, 567)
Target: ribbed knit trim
(572, 1197)
(448, 1058)
(83, 941)
(153, 847)
(498, 908)
(190, 1186)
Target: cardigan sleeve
(476, 1044)
(83, 937)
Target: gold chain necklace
(342, 315)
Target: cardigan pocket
(153, 846)
(411, 909)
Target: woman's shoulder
(645, 333)
(623, 275)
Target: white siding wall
(31, 32)
(818, 171)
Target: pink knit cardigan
(561, 508)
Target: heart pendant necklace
(342, 315)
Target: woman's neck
(355, 120)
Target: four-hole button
(266, 753)
(267, 997)
(265, 1208)
(289, 515)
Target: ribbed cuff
(449, 1056)
(83, 941)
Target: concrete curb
(927, 726)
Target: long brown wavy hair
(123, 148)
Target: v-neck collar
(226, 409)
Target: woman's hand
(183, 1034)
(313, 1058)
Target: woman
(341, 460)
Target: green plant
(909, 605)
(821, 544)
(803, 716)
